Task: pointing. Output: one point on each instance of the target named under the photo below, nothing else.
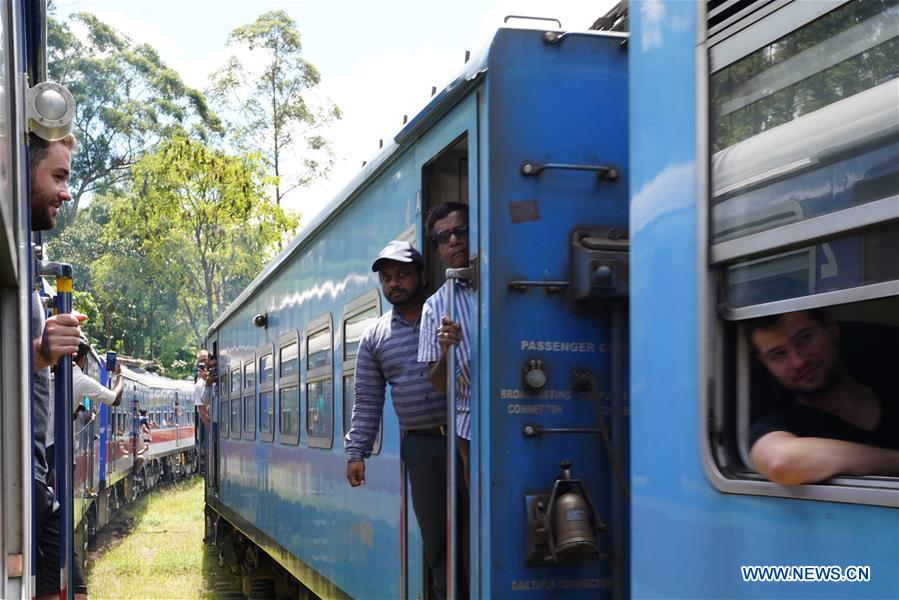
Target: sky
(378, 59)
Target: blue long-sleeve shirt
(388, 354)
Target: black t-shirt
(40, 395)
(805, 421)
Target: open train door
(448, 160)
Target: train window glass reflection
(235, 380)
(318, 349)
(266, 397)
(288, 389)
(235, 401)
(225, 418)
(290, 363)
(856, 260)
(787, 142)
(266, 369)
(353, 328)
(358, 315)
(235, 418)
(290, 414)
(319, 413)
(802, 217)
(221, 400)
(266, 415)
(318, 388)
(249, 400)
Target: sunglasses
(460, 231)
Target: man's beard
(827, 383)
(40, 214)
(409, 300)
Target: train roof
(469, 76)
(156, 381)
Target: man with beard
(837, 424)
(387, 355)
(50, 166)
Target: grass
(155, 549)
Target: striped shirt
(429, 349)
(387, 354)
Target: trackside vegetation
(155, 549)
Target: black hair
(752, 325)
(83, 349)
(441, 211)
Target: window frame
(266, 388)
(324, 373)
(289, 382)
(725, 356)
(353, 308)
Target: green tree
(274, 108)
(202, 224)
(127, 100)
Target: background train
(635, 197)
(115, 460)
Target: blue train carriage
(533, 136)
(766, 186)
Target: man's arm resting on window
(787, 459)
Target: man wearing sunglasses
(448, 230)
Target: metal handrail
(452, 540)
(63, 434)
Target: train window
(288, 389)
(267, 397)
(290, 414)
(319, 393)
(318, 349)
(803, 231)
(225, 412)
(319, 401)
(220, 401)
(249, 399)
(289, 361)
(266, 369)
(359, 315)
(234, 416)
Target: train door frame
(458, 131)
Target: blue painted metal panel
(688, 540)
(564, 103)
